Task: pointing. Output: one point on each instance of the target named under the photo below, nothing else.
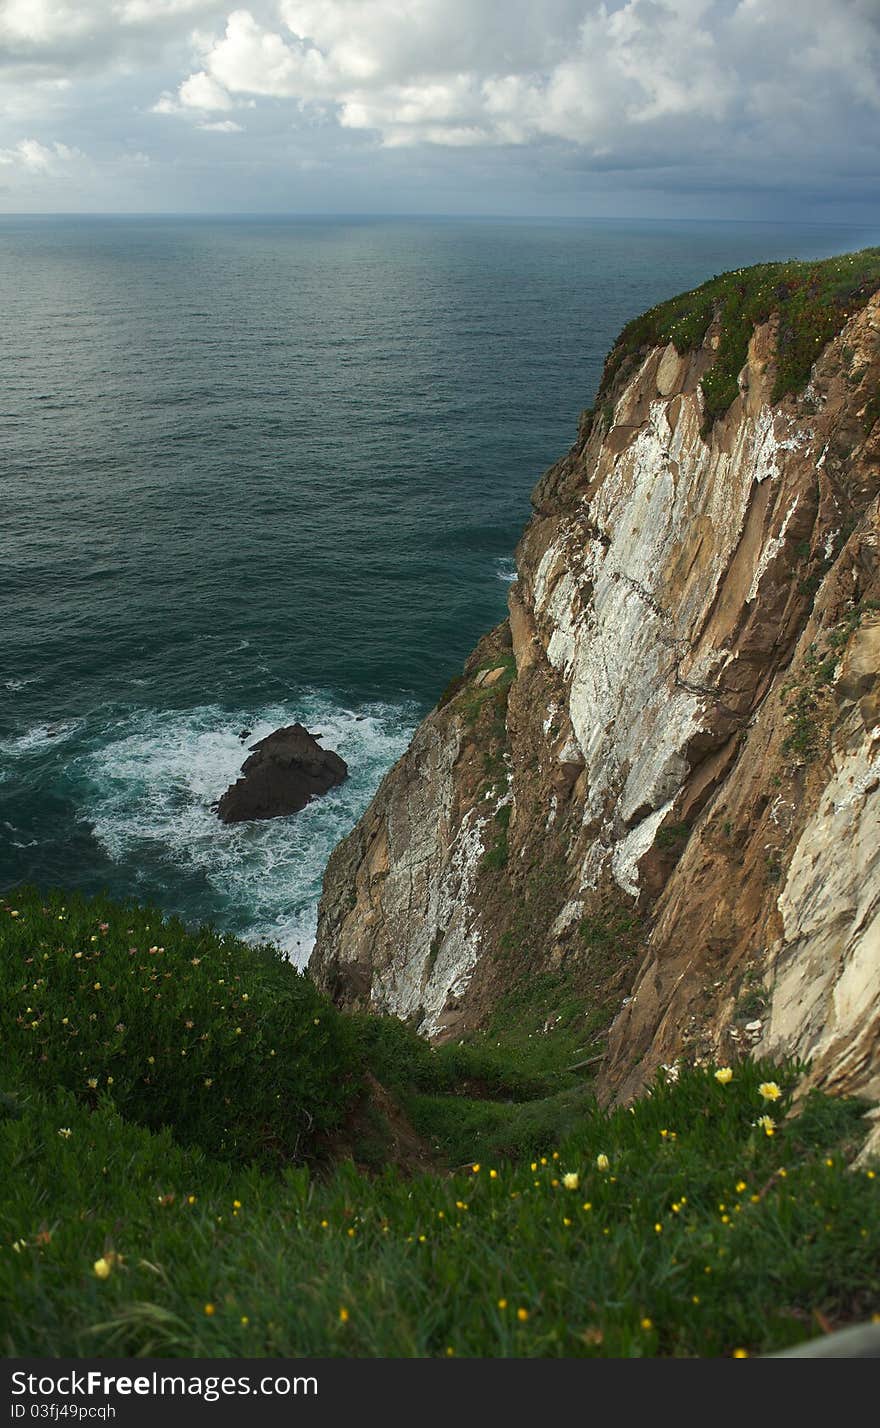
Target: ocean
(263, 470)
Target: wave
(38, 736)
(150, 785)
(505, 569)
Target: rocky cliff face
(662, 773)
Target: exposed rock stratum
(681, 716)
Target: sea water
(263, 470)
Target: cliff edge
(661, 775)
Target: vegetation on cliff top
(135, 1221)
(812, 301)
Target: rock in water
(285, 771)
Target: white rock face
(826, 967)
(622, 598)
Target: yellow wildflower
(102, 1267)
(209, 1310)
(343, 1315)
(522, 1315)
(769, 1090)
(571, 1181)
(602, 1162)
(723, 1075)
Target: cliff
(658, 779)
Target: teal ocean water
(256, 471)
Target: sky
(758, 109)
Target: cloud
(35, 157)
(607, 78)
(715, 92)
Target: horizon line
(325, 214)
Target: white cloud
(718, 91)
(223, 126)
(35, 157)
(202, 91)
(40, 22)
(594, 75)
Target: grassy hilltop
(203, 1158)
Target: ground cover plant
(227, 1043)
(811, 300)
(704, 1220)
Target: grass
(812, 301)
(227, 1043)
(703, 1235)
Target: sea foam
(150, 784)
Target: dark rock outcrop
(285, 771)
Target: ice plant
(723, 1075)
(767, 1124)
(102, 1268)
(602, 1162)
(571, 1181)
(769, 1090)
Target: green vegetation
(225, 1043)
(807, 697)
(812, 300)
(751, 1003)
(688, 1225)
(496, 856)
(673, 836)
(492, 695)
